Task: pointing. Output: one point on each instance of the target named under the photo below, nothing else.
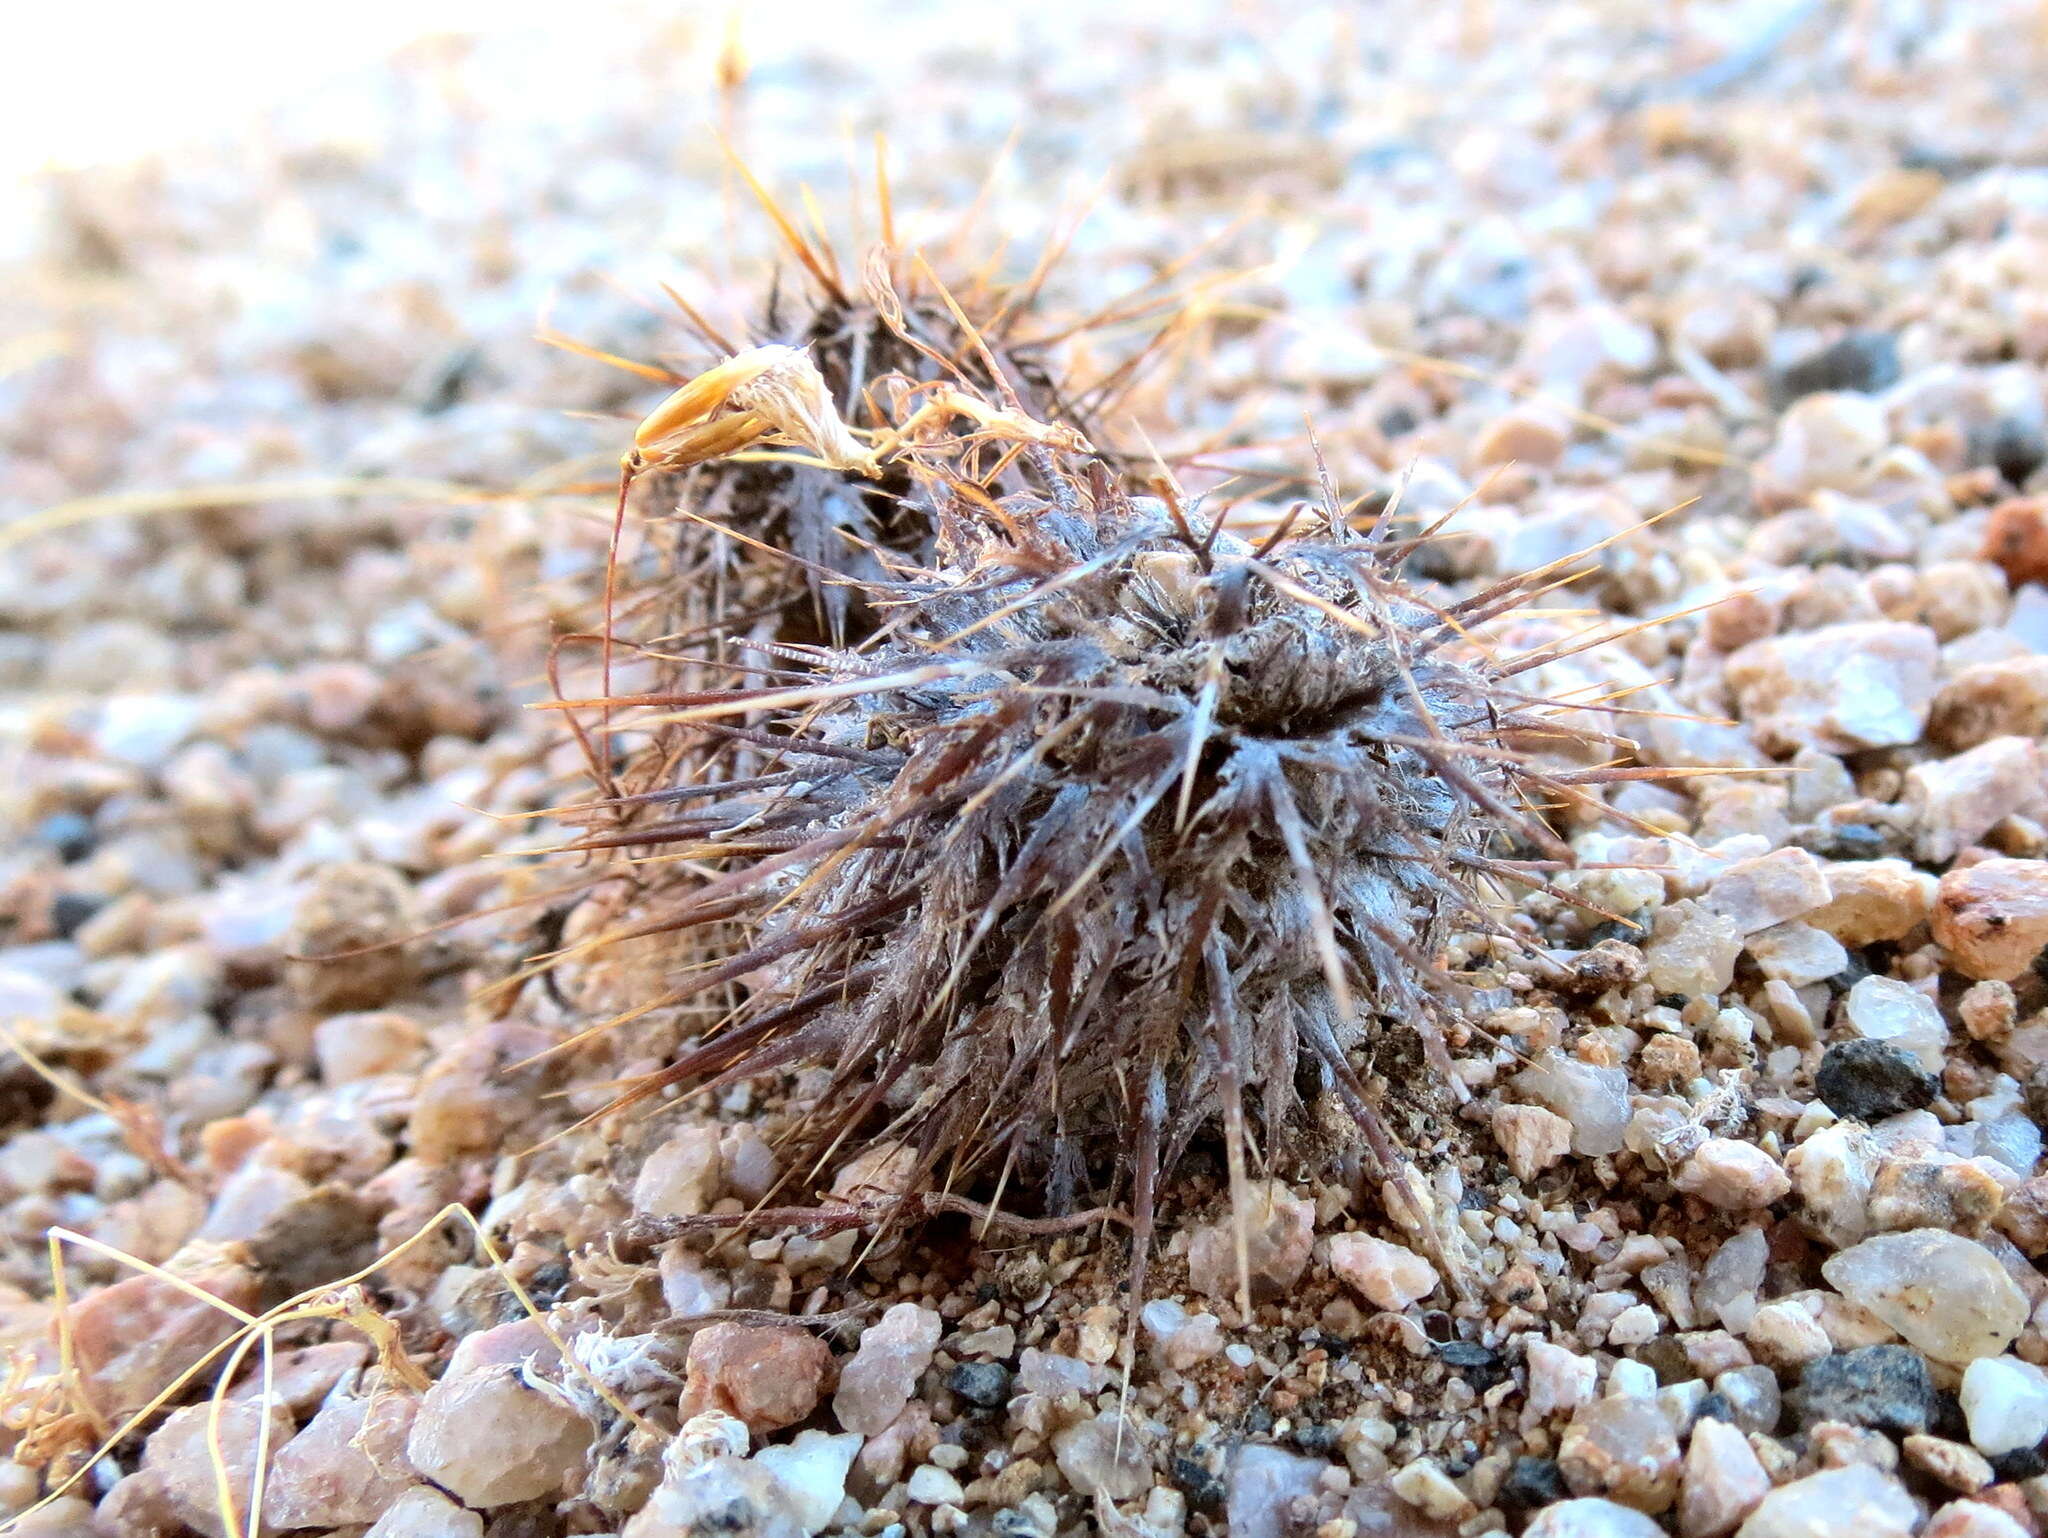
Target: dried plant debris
(841, 358)
(784, 542)
(1126, 825)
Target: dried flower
(763, 393)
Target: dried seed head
(789, 394)
(854, 381)
(751, 395)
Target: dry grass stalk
(66, 1434)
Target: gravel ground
(1740, 1184)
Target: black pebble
(1315, 1437)
(1335, 1345)
(1844, 841)
(69, 833)
(1466, 1353)
(2020, 1463)
(1867, 1081)
(981, 1383)
(1198, 1482)
(1665, 1357)
(1852, 974)
(1531, 1483)
(2014, 447)
(70, 910)
(1715, 1407)
(1865, 361)
(1949, 1420)
(1885, 1387)
(2037, 1095)
(1626, 930)
(1479, 1364)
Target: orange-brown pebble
(2016, 539)
(1745, 615)
(770, 1376)
(1992, 917)
(1526, 435)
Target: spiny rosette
(1123, 826)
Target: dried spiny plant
(1122, 825)
(828, 379)
(782, 448)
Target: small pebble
(1729, 1281)
(812, 1471)
(1424, 1485)
(1723, 1482)
(1873, 900)
(1797, 954)
(424, 1512)
(1992, 917)
(346, 1465)
(878, 1382)
(1622, 1448)
(986, 1384)
(1264, 1482)
(930, 1486)
(1868, 1080)
(1182, 1339)
(1852, 1502)
(1559, 1380)
(2016, 539)
(1955, 801)
(1825, 441)
(1049, 1372)
(1974, 1519)
(1692, 950)
(1842, 688)
(180, 1453)
(1733, 1175)
(1532, 1138)
(1752, 1397)
(1594, 1100)
(1887, 1010)
(2005, 1401)
(681, 1178)
(1955, 1465)
(355, 907)
(1531, 1483)
(1106, 1454)
(1863, 361)
(1590, 1517)
(1388, 1275)
(1786, 1335)
(1279, 1234)
(723, 1494)
(492, 1438)
(1943, 1293)
(1884, 1387)
(1768, 890)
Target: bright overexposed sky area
(122, 78)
